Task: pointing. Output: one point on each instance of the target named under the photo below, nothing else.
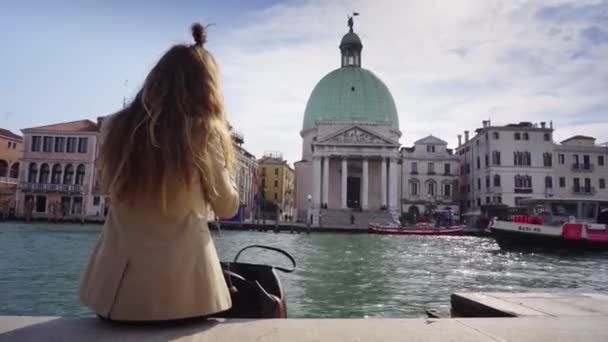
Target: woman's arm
(225, 198)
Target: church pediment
(356, 136)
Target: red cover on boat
(572, 231)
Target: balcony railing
(582, 167)
(431, 173)
(8, 180)
(523, 190)
(583, 190)
(45, 187)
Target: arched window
(68, 174)
(414, 187)
(56, 175)
(45, 172)
(496, 180)
(80, 174)
(3, 168)
(431, 188)
(33, 173)
(14, 170)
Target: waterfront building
(350, 143)
(505, 164)
(581, 168)
(245, 176)
(57, 170)
(277, 182)
(11, 148)
(429, 177)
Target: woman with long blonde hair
(166, 161)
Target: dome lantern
(350, 46)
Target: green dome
(350, 94)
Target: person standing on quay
(166, 160)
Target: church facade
(350, 143)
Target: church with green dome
(350, 144)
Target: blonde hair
(160, 143)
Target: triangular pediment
(356, 135)
(430, 140)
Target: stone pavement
(524, 329)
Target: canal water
(338, 275)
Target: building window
(526, 136)
(414, 168)
(45, 172)
(495, 157)
(548, 182)
(276, 171)
(47, 144)
(32, 173)
(600, 160)
(263, 171)
(59, 144)
(517, 136)
(477, 142)
(414, 188)
(496, 180)
(432, 188)
(478, 161)
(56, 175)
(522, 158)
(547, 137)
(523, 182)
(548, 159)
(478, 183)
(80, 174)
(602, 183)
(276, 196)
(68, 174)
(41, 204)
(487, 160)
(36, 142)
(478, 202)
(446, 168)
(577, 185)
(82, 145)
(495, 135)
(562, 182)
(431, 168)
(487, 181)
(487, 199)
(487, 136)
(575, 159)
(447, 190)
(468, 188)
(430, 148)
(276, 183)
(71, 148)
(561, 159)
(96, 200)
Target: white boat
(555, 224)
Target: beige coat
(150, 266)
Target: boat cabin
(556, 212)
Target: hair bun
(199, 34)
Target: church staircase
(341, 218)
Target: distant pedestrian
(352, 219)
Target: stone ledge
(23, 328)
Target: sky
(448, 64)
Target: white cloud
(449, 65)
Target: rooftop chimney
(466, 137)
(543, 124)
(459, 140)
(485, 123)
(551, 124)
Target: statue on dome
(350, 20)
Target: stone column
(316, 182)
(325, 198)
(392, 183)
(383, 182)
(344, 181)
(365, 184)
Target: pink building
(57, 171)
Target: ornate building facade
(350, 142)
